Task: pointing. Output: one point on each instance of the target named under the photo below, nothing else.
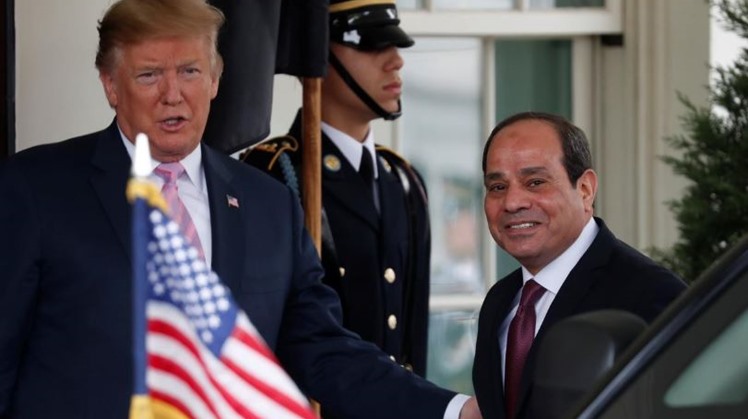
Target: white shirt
(192, 190)
(551, 277)
(351, 148)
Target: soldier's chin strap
(371, 103)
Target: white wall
(58, 94)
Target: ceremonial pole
(311, 159)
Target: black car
(692, 362)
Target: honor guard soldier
(375, 229)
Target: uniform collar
(350, 147)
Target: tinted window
(702, 373)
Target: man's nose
(394, 59)
(171, 92)
(516, 199)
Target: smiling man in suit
(540, 190)
(65, 264)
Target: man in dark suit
(65, 269)
(540, 189)
(376, 241)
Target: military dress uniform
(377, 260)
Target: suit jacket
(377, 262)
(65, 286)
(610, 275)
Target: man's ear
(587, 188)
(110, 90)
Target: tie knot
(366, 168)
(531, 293)
(169, 172)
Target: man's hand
(470, 410)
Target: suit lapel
(573, 292)
(580, 280)
(228, 241)
(345, 186)
(488, 352)
(109, 182)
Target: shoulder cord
(292, 180)
(289, 173)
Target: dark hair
(577, 157)
(128, 22)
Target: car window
(701, 373)
(719, 375)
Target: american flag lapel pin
(232, 201)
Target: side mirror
(575, 353)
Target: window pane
(452, 349)
(549, 4)
(719, 375)
(497, 4)
(473, 4)
(580, 3)
(442, 137)
(533, 75)
(409, 4)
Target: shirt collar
(350, 147)
(553, 275)
(192, 163)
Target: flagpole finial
(141, 162)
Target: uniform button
(392, 357)
(389, 275)
(408, 367)
(392, 321)
(342, 271)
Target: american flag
(203, 358)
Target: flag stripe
(205, 359)
(248, 360)
(168, 366)
(279, 397)
(174, 392)
(195, 373)
(269, 370)
(175, 343)
(249, 340)
(225, 404)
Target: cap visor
(381, 37)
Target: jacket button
(342, 271)
(389, 275)
(392, 322)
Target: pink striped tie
(170, 172)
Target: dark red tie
(519, 341)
